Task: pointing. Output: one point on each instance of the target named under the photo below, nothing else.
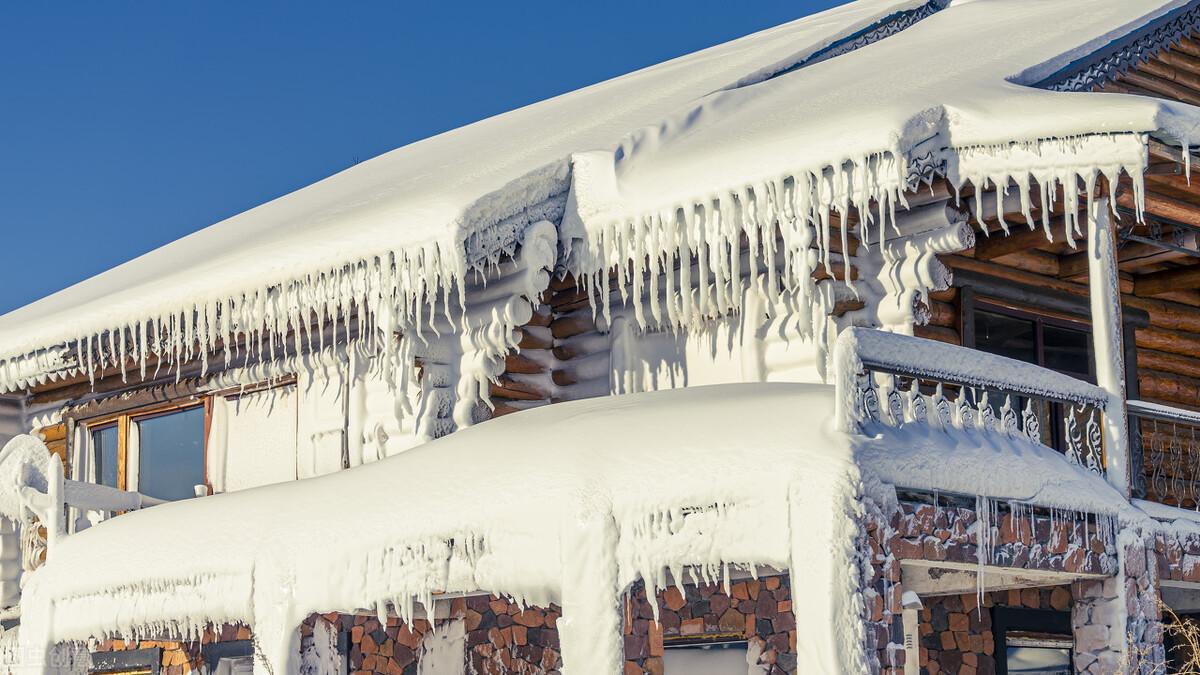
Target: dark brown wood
(1169, 388)
(519, 363)
(1179, 364)
(947, 335)
(577, 322)
(1174, 342)
(1020, 239)
(535, 338)
(1161, 205)
(1166, 281)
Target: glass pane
(104, 456)
(171, 454)
(1006, 336)
(715, 660)
(1039, 661)
(1066, 350)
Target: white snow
(676, 485)
(395, 229)
(503, 507)
(836, 138)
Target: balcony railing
(897, 380)
(1168, 441)
(50, 505)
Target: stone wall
(956, 634)
(503, 637)
(756, 610)
(179, 656)
(1027, 540)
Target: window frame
(123, 421)
(1040, 319)
(1023, 619)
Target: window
(159, 452)
(728, 658)
(1032, 641)
(105, 442)
(1054, 343)
(170, 449)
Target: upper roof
(797, 105)
(427, 197)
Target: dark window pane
(104, 457)
(1006, 336)
(171, 454)
(1066, 349)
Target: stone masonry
(756, 610)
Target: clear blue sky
(125, 125)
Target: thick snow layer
(838, 136)
(416, 209)
(678, 482)
(987, 464)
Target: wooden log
(1166, 281)
(844, 305)
(542, 316)
(563, 378)
(508, 407)
(1020, 239)
(947, 295)
(1166, 207)
(579, 321)
(1174, 342)
(947, 335)
(1187, 46)
(1168, 388)
(533, 337)
(1163, 88)
(505, 387)
(1180, 60)
(1166, 314)
(519, 363)
(1165, 71)
(943, 314)
(1033, 260)
(53, 433)
(1176, 364)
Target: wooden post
(1104, 289)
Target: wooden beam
(1163, 88)
(1021, 238)
(1166, 207)
(1157, 283)
(1181, 60)
(1180, 76)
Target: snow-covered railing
(43, 495)
(1169, 442)
(898, 380)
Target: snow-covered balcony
(580, 508)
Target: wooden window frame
(1041, 318)
(124, 420)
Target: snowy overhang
(745, 474)
(844, 134)
(430, 210)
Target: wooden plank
(947, 335)
(1022, 238)
(1166, 281)
(122, 452)
(1178, 364)
(1171, 341)
(1180, 76)
(1163, 88)
(1166, 207)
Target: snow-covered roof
(687, 156)
(568, 503)
(417, 205)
